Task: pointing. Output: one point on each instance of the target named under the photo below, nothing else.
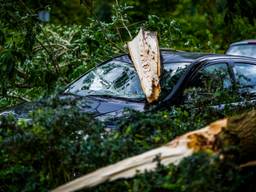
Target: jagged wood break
(238, 131)
(145, 55)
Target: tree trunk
(237, 132)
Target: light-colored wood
(173, 152)
(145, 55)
(248, 164)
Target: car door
(211, 85)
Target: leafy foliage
(59, 144)
(38, 155)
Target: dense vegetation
(38, 58)
(62, 144)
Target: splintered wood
(172, 152)
(145, 55)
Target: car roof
(244, 42)
(168, 57)
(180, 56)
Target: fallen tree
(237, 133)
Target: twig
(119, 34)
(61, 39)
(122, 19)
(37, 48)
(25, 86)
(21, 74)
(111, 42)
(16, 97)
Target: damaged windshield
(114, 78)
(119, 79)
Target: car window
(114, 78)
(170, 76)
(120, 79)
(244, 50)
(211, 85)
(245, 74)
(174, 67)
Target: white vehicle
(243, 48)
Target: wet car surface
(107, 90)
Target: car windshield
(248, 50)
(118, 79)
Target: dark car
(113, 86)
(243, 48)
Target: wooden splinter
(145, 55)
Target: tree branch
(122, 19)
(16, 97)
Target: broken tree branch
(248, 164)
(238, 131)
(145, 54)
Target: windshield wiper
(106, 96)
(116, 97)
(69, 93)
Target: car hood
(100, 107)
(21, 110)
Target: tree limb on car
(235, 132)
(145, 55)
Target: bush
(47, 151)
(60, 143)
